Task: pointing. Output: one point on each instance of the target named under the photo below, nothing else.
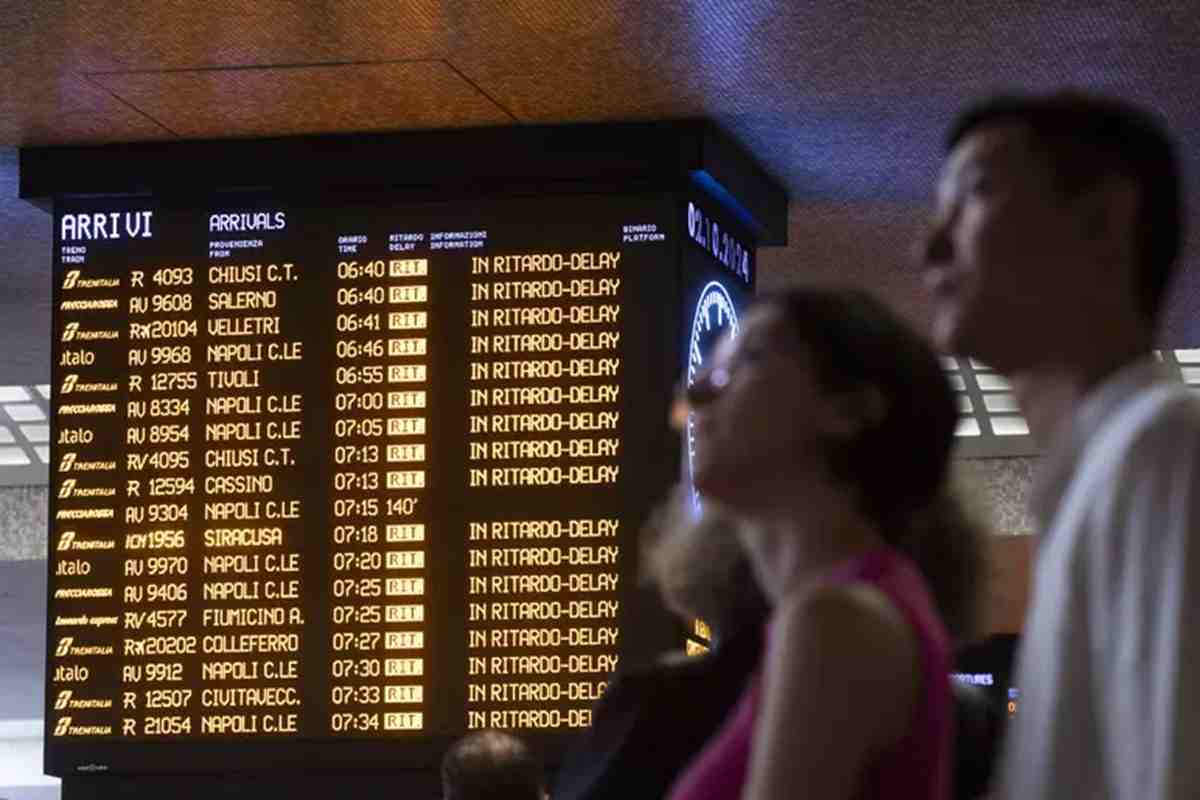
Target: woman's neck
(799, 539)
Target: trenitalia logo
(67, 647)
(70, 489)
(62, 727)
(71, 384)
(65, 700)
(72, 332)
(72, 281)
(70, 461)
(68, 541)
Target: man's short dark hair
(1086, 138)
(491, 765)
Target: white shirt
(1109, 668)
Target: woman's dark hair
(898, 465)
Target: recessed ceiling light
(36, 433)
(1010, 426)
(25, 412)
(967, 426)
(13, 394)
(6, 436)
(13, 457)
(1188, 356)
(44, 390)
(43, 452)
(1000, 403)
(992, 383)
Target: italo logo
(69, 383)
(63, 700)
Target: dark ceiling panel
(311, 99)
(844, 101)
(67, 109)
(108, 35)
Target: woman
(653, 719)
(828, 426)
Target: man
(492, 765)
(1057, 229)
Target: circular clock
(715, 316)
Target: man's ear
(1109, 211)
(864, 407)
(869, 405)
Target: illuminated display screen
(354, 472)
(989, 665)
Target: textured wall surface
(999, 489)
(23, 523)
(22, 640)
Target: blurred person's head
(492, 765)
(697, 563)
(1052, 213)
(827, 396)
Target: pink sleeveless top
(918, 767)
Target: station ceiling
(844, 101)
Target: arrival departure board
(327, 473)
